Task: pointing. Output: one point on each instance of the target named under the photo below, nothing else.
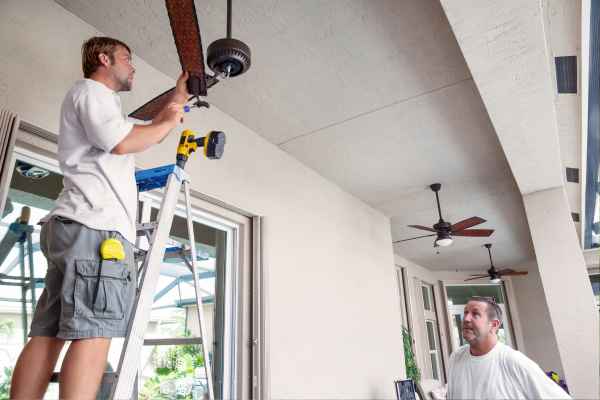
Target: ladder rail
(201, 320)
(131, 352)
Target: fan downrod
(228, 57)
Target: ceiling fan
(445, 230)
(227, 57)
(493, 273)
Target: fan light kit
(444, 230)
(443, 240)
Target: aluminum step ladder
(171, 178)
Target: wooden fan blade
(477, 277)
(504, 271)
(512, 273)
(474, 232)
(418, 237)
(424, 228)
(149, 110)
(467, 223)
(186, 33)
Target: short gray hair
(493, 310)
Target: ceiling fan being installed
(444, 231)
(493, 273)
(227, 58)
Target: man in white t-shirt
(90, 289)
(487, 369)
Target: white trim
(37, 159)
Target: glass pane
(595, 279)
(175, 313)
(426, 299)
(37, 188)
(173, 372)
(434, 365)
(431, 335)
(457, 329)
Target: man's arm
(535, 382)
(141, 137)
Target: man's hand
(181, 94)
(169, 116)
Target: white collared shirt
(99, 187)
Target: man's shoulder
(459, 353)
(77, 89)
(91, 86)
(514, 358)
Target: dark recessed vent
(566, 74)
(575, 217)
(573, 175)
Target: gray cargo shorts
(76, 275)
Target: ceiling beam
(504, 45)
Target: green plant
(7, 327)
(412, 370)
(175, 363)
(5, 383)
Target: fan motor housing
(443, 226)
(228, 54)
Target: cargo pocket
(101, 292)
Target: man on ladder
(88, 237)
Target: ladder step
(153, 178)
(173, 341)
(107, 378)
(145, 227)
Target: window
(34, 184)
(172, 361)
(591, 125)
(434, 351)
(596, 287)
(433, 362)
(426, 292)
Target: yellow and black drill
(213, 143)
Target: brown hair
(93, 47)
(493, 310)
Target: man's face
(476, 325)
(122, 70)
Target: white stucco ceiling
(374, 95)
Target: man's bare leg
(34, 367)
(82, 369)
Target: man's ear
(104, 59)
(496, 325)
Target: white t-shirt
(502, 373)
(99, 187)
